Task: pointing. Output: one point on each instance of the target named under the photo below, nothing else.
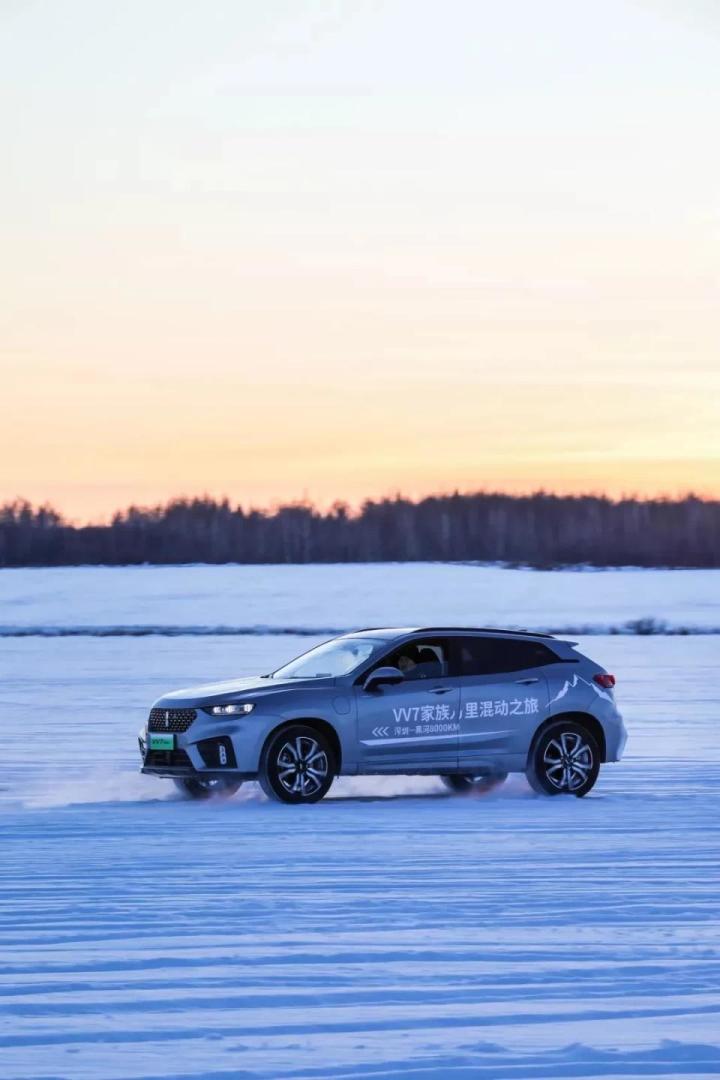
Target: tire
(468, 785)
(194, 788)
(297, 765)
(565, 760)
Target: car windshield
(328, 661)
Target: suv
(469, 705)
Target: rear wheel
(193, 787)
(298, 765)
(480, 784)
(564, 761)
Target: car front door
(503, 698)
(413, 725)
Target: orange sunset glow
(275, 253)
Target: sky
(331, 250)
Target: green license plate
(161, 742)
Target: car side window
(497, 656)
(424, 659)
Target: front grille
(171, 719)
(167, 759)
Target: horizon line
(353, 508)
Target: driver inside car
(406, 663)
(419, 663)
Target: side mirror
(383, 675)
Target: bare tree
(540, 530)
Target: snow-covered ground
(344, 597)
(389, 930)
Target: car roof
(405, 631)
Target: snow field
(390, 931)
(344, 597)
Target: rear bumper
(615, 739)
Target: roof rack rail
(483, 630)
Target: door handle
(526, 682)
(441, 690)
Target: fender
(586, 720)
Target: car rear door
(413, 725)
(503, 696)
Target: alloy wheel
(302, 766)
(474, 783)
(568, 761)
(197, 787)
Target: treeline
(539, 530)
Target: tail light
(605, 680)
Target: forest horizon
(542, 530)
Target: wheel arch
(324, 727)
(586, 720)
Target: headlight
(231, 710)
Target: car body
(468, 704)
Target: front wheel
(193, 787)
(480, 785)
(298, 765)
(564, 761)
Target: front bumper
(207, 748)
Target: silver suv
(470, 705)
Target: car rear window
(495, 656)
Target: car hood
(238, 690)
